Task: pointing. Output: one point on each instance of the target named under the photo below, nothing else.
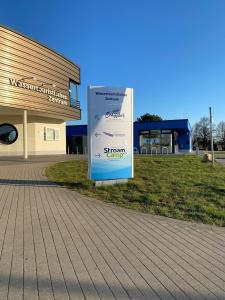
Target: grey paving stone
(57, 244)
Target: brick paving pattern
(56, 244)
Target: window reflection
(155, 141)
(8, 134)
(74, 94)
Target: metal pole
(211, 135)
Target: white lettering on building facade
(53, 96)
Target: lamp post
(211, 135)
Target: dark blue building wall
(76, 130)
(184, 141)
(182, 127)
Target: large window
(74, 94)
(52, 134)
(8, 134)
(166, 143)
(155, 141)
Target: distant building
(161, 137)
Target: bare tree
(220, 133)
(201, 133)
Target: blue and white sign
(110, 133)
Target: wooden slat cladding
(23, 53)
(32, 100)
(20, 70)
(25, 44)
(21, 57)
(51, 110)
(15, 57)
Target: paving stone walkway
(57, 244)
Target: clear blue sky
(172, 52)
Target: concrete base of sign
(110, 182)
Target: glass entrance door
(166, 143)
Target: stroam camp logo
(118, 153)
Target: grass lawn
(181, 187)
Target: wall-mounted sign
(53, 96)
(110, 133)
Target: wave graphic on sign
(101, 169)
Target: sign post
(110, 134)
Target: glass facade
(74, 94)
(156, 141)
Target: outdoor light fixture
(51, 84)
(30, 77)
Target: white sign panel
(110, 133)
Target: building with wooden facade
(38, 94)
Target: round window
(8, 134)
